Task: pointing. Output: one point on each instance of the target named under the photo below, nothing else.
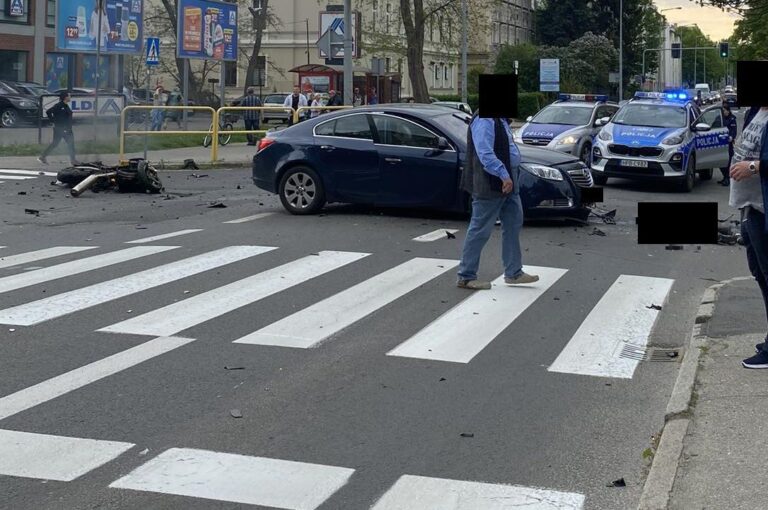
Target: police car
(661, 135)
(567, 125)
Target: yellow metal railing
(225, 109)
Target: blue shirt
(483, 135)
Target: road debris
(135, 176)
(228, 367)
(217, 205)
(467, 434)
(235, 413)
(32, 211)
(653, 307)
(450, 235)
(189, 164)
(617, 483)
(597, 232)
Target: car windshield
(651, 115)
(275, 99)
(564, 114)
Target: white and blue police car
(567, 125)
(661, 135)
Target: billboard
(122, 25)
(109, 105)
(549, 75)
(334, 21)
(207, 30)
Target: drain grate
(650, 353)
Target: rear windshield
(275, 98)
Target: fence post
(215, 135)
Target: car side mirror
(442, 144)
(529, 118)
(702, 127)
(602, 121)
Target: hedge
(528, 103)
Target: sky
(713, 22)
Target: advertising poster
(56, 71)
(320, 84)
(89, 72)
(207, 30)
(77, 26)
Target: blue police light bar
(672, 95)
(600, 98)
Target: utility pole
(307, 22)
(464, 15)
(348, 52)
(621, 50)
(99, 6)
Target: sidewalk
(721, 463)
(232, 155)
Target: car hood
(640, 136)
(19, 97)
(547, 157)
(544, 131)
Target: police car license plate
(632, 163)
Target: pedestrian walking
(158, 114)
(491, 177)
(729, 121)
(316, 101)
(295, 101)
(60, 115)
(251, 117)
(357, 98)
(749, 191)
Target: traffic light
(724, 50)
(676, 50)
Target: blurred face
(67, 98)
(296, 91)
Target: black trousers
(251, 125)
(756, 242)
(726, 171)
(58, 136)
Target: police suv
(567, 125)
(661, 135)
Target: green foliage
(694, 63)
(528, 103)
(751, 36)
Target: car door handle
(327, 147)
(393, 160)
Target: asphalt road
(339, 424)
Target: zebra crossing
(623, 316)
(8, 175)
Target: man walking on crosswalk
(491, 177)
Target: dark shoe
(42, 160)
(725, 182)
(759, 360)
(759, 347)
(521, 279)
(473, 284)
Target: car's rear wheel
(706, 175)
(687, 183)
(9, 118)
(599, 179)
(301, 191)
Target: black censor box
(677, 223)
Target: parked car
(16, 107)
(730, 99)
(407, 99)
(402, 156)
(462, 107)
(275, 100)
(29, 88)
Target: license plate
(631, 163)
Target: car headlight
(605, 136)
(24, 103)
(567, 140)
(517, 136)
(545, 172)
(673, 140)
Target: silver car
(275, 100)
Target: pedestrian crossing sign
(153, 51)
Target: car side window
(713, 118)
(604, 111)
(353, 126)
(395, 131)
(326, 128)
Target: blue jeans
(756, 242)
(484, 214)
(157, 120)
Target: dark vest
(475, 180)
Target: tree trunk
(171, 7)
(253, 58)
(413, 23)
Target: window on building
(230, 74)
(389, 10)
(50, 13)
(13, 65)
(9, 13)
(388, 64)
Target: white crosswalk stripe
(623, 316)
(16, 177)
(435, 235)
(80, 299)
(465, 330)
(237, 478)
(312, 325)
(47, 253)
(420, 493)
(33, 173)
(19, 281)
(160, 237)
(198, 309)
(48, 457)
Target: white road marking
(620, 318)
(420, 492)
(434, 236)
(35, 173)
(251, 218)
(47, 457)
(219, 476)
(198, 309)
(59, 305)
(467, 328)
(164, 236)
(312, 325)
(47, 253)
(80, 377)
(19, 281)
(16, 177)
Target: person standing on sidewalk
(295, 101)
(251, 117)
(60, 115)
(490, 176)
(729, 120)
(749, 191)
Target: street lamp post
(348, 52)
(464, 51)
(621, 50)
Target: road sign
(549, 75)
(153, 51)
(331, 43)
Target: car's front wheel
(9, 118)
(687, 183)
(301, 191)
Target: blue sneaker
(759, 360)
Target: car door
(345, 153)
(712, 145)
(415, 170)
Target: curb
(658, 486)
